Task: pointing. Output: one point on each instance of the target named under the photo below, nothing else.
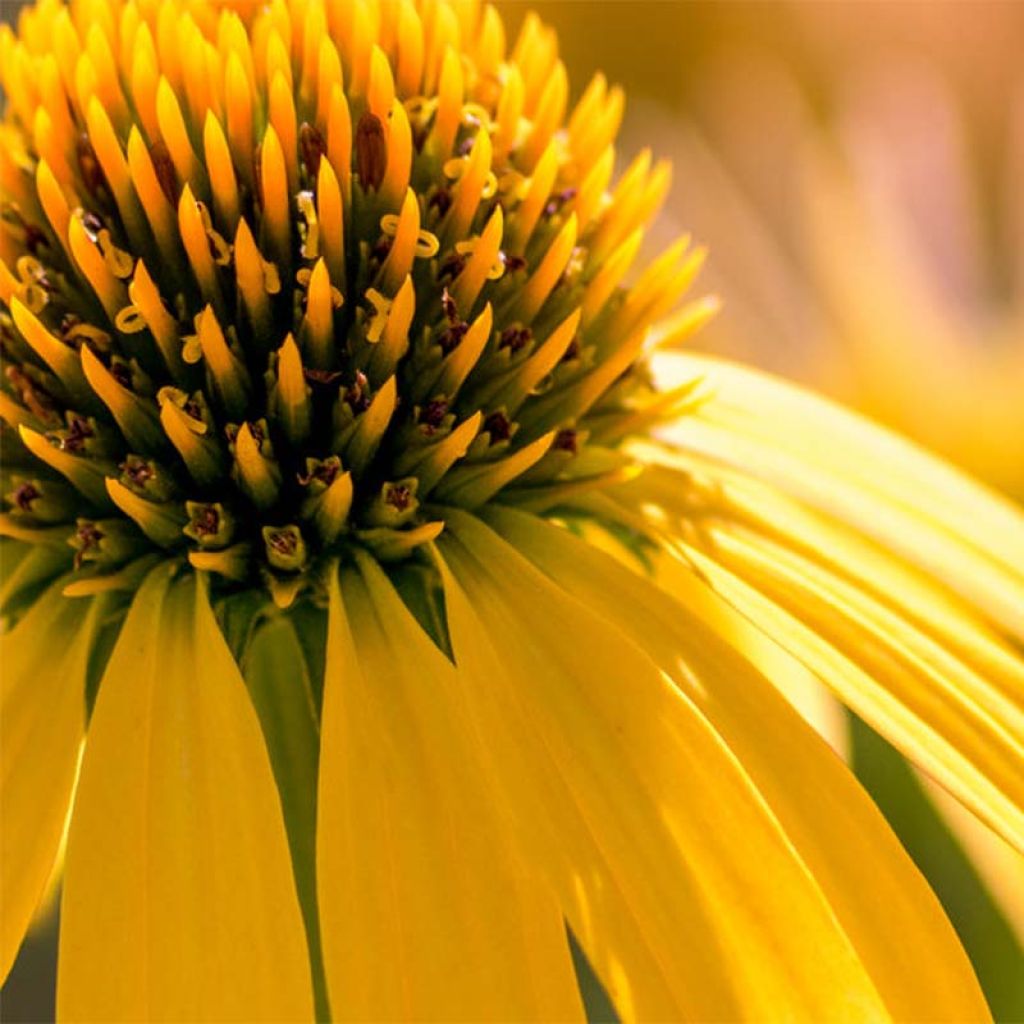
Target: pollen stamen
(312, 264)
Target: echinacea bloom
(379, 620)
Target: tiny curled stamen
(29, 269)
(129, 320)
(119, 262)
(427, 244)
(378, 320)
(474, 115)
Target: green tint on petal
(179, 901)
(990, 942)
(275, 671)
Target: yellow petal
(900, 933)
(179, 902)
(924, 700)
(426, 910)
(682, 888)
(913, 505)
(42, 722)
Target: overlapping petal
(42, 723)
(179, 902)
(919, 508)
(428, 912)
(687, 895)
(884, 572)
(722, 664)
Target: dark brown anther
(358, 394)
(89, 167)
(255, 428)
(285, 548)
(312, 147)
(449, 339)
(455, 331)
(122, 373)
(75, 437)
(515, 338)
(466, 145)
(566, 441)
(371, 151)
(210, 525)
(441, 200)
(380, 251)
(512, 263)
(283, 542)
(498, 426)
(433, 413)
(573, 351)
(452, 266)
(87, 538)
(137, 470)
(206, 521)
(193, 408)
(398, 496)
(457, 327)
(324, 378)
(324, 472)
(24, 495)
(166, 175)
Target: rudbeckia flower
(388, 640)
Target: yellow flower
(407, 627)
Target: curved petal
(178, 898)
(941, 688)
(42, 722)
(832, 460)
(886, 573)
(687, 896)
(426, 911)
(881, 901)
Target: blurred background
(857, 172)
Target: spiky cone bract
(319, 330)
(308, 248)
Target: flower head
(266, 304)
(403, 646)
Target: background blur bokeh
(857, 172)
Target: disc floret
(314, 288)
